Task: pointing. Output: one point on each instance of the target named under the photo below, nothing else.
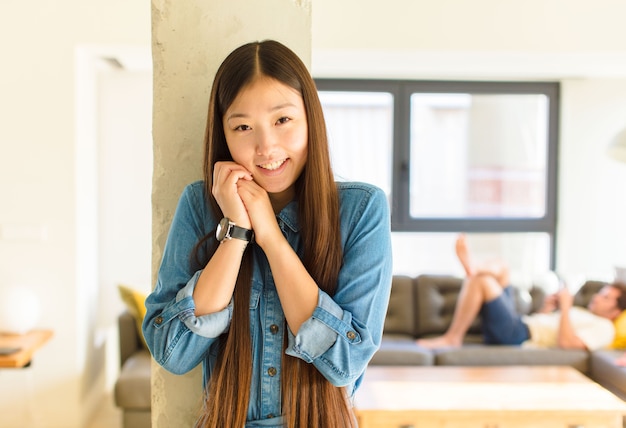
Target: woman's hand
(565, 298)
(226, 175)
(260, 211)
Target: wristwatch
(226, 229)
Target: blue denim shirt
(339, 339)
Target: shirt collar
(289, 216)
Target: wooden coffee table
(485, 397)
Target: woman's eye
(242, 128)
(283, 120)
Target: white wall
(462, 26)
(38, 190)
(592, 226)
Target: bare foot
(462, 252)
(438, 342)
(621, 361)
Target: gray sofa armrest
(132, 389)
(128, 336)
(607, 373)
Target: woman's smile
(274, 165)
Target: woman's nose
(264, 142)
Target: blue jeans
(501, 323)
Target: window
(360, 128)
(474, 157)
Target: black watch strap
(241, 233)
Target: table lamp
(19, 310)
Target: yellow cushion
(135, 303)
(620, 332)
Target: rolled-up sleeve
(209, 325)
(319, 333)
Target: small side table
(27, 343)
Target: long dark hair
(308, 399)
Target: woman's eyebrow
(282, 106)
(236, 116)
(275, 108)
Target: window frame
(401, 90)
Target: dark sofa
(423, 306)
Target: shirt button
(351, 335)
(158, 320)
(273, 329)
(270, 416)
(271, 371)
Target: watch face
(222, 229)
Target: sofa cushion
(401, 309)
(436, 300)
(583, 296)
(399, 350)
(606, 372)
(132, 388)
(492, 355)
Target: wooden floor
(107, 415)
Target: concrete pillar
(189, 41)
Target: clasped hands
(243, 201)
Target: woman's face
(604, 302)
(266, 132)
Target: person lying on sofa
(558, 324)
